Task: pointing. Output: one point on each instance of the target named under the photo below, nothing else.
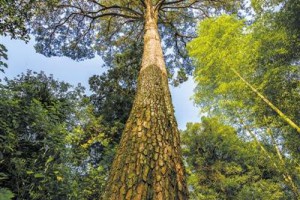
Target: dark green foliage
(117, 86)
(3, 57)
(55, 142)
(113, 92)
(13, 18)
(6, 194)
(223, 166)
(52, 144)
(35, 117)
(90, 154)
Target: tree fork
(148, 163)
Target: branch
(82, 36)
(116, 15)
(181, 6)
(159, 5)
(173, 2)
(143, 2)
(177, 32)
(117, 11)
(119, 28)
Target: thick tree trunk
(148, 163)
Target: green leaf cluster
(221, 165)
(33, 129)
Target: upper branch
(102, 10)
(173, 2)
(179, 4)
(159, 4)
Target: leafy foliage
(258, 55)
(5, 194)
(263, 54)
(78, 141)
(3, 57)
(33, 130)
(223, 166)
(117, 86)
(90, 154)
(14, 16)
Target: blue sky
(22, 56)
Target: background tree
(92, 131)
(113, 92)
(33, 130)
(76, 136)
(262, 54)
(111, 101)
(224, 166)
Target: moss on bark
(148, 163)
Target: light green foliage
(262, 189)
(221, 45)
(224, 43)
(260, 53)
(223, 166)
(265, 54)
(90, 154)
(6, 194)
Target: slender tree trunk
(148, 163)
(280, 166)
(281, 114)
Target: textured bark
(152, 54)
(148, 163)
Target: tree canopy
(240, 64)
(14, 15)
(79, 29)
(33, 131)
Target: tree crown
(79, 29)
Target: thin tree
(268, 102)
(148, 163)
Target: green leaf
(3, 176)
(6, 194)
(38, 175)
(50, 159)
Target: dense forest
(121, 140)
